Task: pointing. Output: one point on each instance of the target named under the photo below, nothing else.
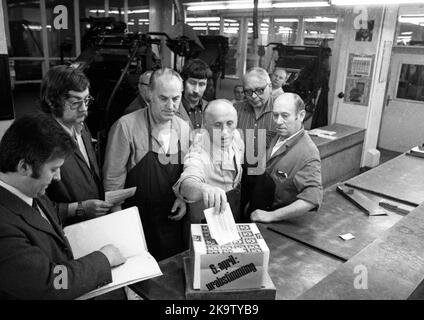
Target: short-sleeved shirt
(247, 120)
(128, 143)
(296, 171)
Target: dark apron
(154, 198)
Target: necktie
(36, 207)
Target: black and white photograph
(211, 158)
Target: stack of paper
(326, 134)
(124, 230)
(222, 225)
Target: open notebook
(124, 230)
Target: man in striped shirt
(256, 123)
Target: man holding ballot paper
(145, 150)
(212, 168)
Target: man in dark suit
(79, 194)
(34, 251)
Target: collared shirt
(207, 164)
(22, 196)
(193, 116)
(128, 143)
(277, 92)
(280, 142)
(78, 140)
(247, 120)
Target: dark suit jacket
(78, 182)
(31, 248)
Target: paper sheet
(119, 196)
(124, 230)
(222, 225)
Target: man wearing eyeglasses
(195, 75)
(255, 120)
(291, 184)
(79, 194)
(142, 100)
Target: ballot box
(242, 264)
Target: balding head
(143, 84)
(220, 115)
(278, 78)
(288, 114)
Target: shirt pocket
(285, 190)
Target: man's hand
(261, 216)
(214, 197)
(95, 208)
(113, 254)
(182, 209)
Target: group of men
(183, 154)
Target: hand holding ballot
(214, 197)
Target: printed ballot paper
(124, 230)
(117, 197)
(222, 225)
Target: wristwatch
(80, 212)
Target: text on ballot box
(242, 264)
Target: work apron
(154, 198)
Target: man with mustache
(291, 184)
(195, 75)
(212, 168)
(145, 150)
(79, 193)
(34, 251)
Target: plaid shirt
(247, 120)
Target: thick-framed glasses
(78, 104)
(257, 91)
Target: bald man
(278, 79)
(212, 168)
(142, 100)
(291, 184)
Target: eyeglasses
(78, 104)
(257, 91)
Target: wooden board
(393, 263)
(337, 216)
(400, 179)
(293, 268)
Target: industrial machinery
(114, 59)
(309, 71)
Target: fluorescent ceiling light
(244, 4)
(200, 19)
(300, 4)
(321, 19)
(373, 2)
(406, 33)
(286, 20)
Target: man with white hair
(145, 150)
(212, 168)
(291, 184)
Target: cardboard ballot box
(242, 264)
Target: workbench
(341, 157)
(308, 259)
